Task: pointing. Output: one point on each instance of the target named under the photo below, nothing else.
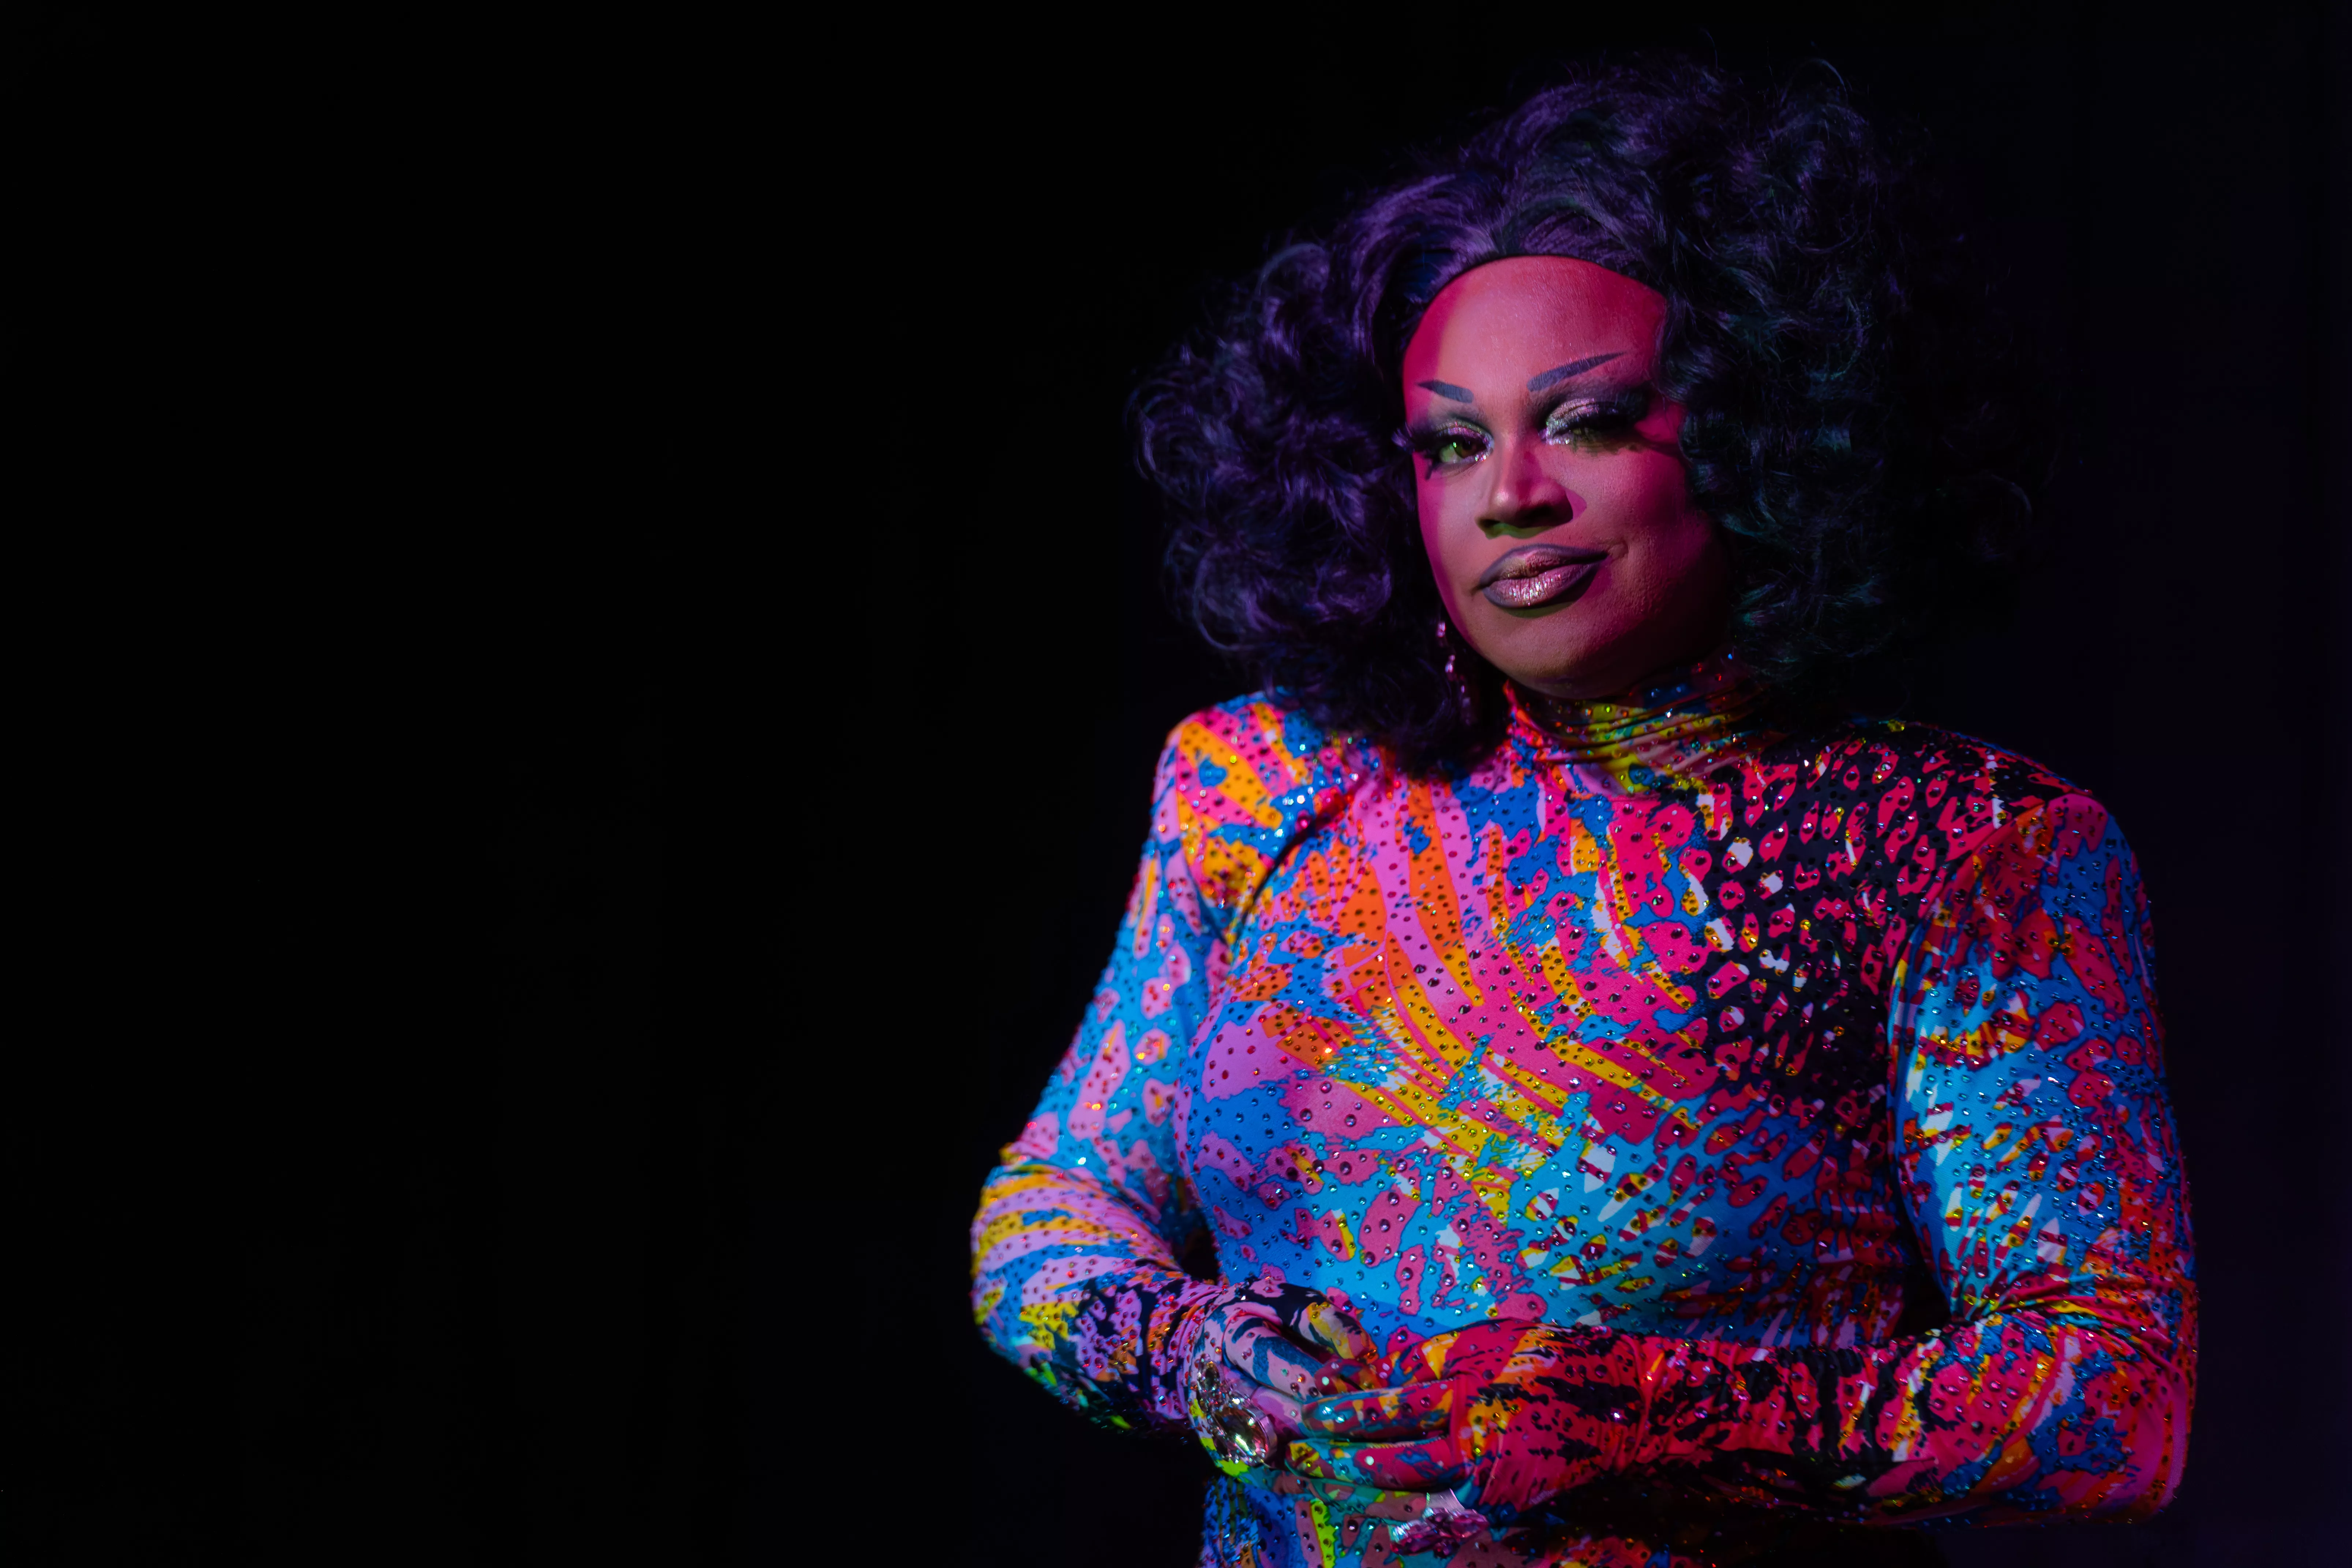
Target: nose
(1525, 493)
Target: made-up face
(1552, 498)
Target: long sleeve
(2043, 1181)
(1074, 1271)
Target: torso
(1568, 1034)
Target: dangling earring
(1463, 697)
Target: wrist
(1188, 1342)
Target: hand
(1508, 1414)
(1259, 1357)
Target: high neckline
(1671, 730)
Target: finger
(1419, 1361)
(1229, 1387)
(1359, 1498)
(1331, 1328)
(1480, 1352)
(1277, 1407)
(1381, 1413)
(1313, 1320)
(1373, 1503)
(1261, 1354)
(1427, 1464)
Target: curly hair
(1847, 430)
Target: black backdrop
(661, 757)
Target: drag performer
(1638, 1114)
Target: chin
(1557, 663)
(1572, 680)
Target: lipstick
(1537, 575)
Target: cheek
(1668, 541)
(1428, 499)
(1652, 495)
(1442, 542)
(1678, 541)
(1671, 544)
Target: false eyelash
(1424, 443)
(1599, 414)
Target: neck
(1670, 730)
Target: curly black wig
(1848, 429)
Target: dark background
(601, 665)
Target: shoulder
(1912, 809)
(1991, 816)
(2026, 878)
(1981, 791)
(1877, 752)
(1257, 752)
(1240, 782)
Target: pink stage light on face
(1550, 488)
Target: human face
(1552, 498)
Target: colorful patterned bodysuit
(1825, 1065)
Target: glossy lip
(1537, 574)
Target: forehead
(1520, 317)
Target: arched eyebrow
(1558, 373)
(1447, 389)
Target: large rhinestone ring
(1231, 1427)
